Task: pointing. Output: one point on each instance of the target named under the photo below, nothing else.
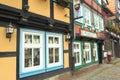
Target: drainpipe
(71, 29)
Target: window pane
(88, 55)
(56, 54)
(28, 57)
(75, 57)
(50, 55)
(50, 40)
(78, 58)
(28, 38)
(77, 46)
(36, 56)
(56, 40)
(36, 39)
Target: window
(77, 53)
(78, 10)
(119, 4)
(54, 51)
(101, 24)
(31, 52)
(87, 52)
(99, 1)
(96, 21)
(40, 51)
(95, 51)
(86, 15)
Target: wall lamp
(68, 36)
(10, 30)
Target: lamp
(68, 36)
(10, 30)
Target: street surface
(103, 72)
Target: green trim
(78, 67)
(79, 23)
(100, 4)
(87, 64)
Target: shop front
(87, 47)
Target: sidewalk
(103, 72)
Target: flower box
(64, 3)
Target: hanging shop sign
(88, 34)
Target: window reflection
(28, 57)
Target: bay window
(87, 16)
(101, 24)
(96, 21)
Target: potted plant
(64, 3)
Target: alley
(103, 72)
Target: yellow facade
(5, 44)
(66, 60)
(65, 44)
(12, 3)
(60, 12)
(41, 7)
(8, 68)
(111, 5)
(66, 55)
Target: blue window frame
(32, 52)
(54, 51)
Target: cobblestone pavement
(104, 72)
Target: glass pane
(77, 46)
(50, 40)
(28, 57)
(50, 55)
(36, 56)
(88, 55)
(74, 46)
(56, 54)
(36, 39)
(28, 38)
(56, 40)
(75, 57)
(78, 57)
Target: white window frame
(60, 46)
(87, 15)
(32, 46)
(87, 50)
(75, 50)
